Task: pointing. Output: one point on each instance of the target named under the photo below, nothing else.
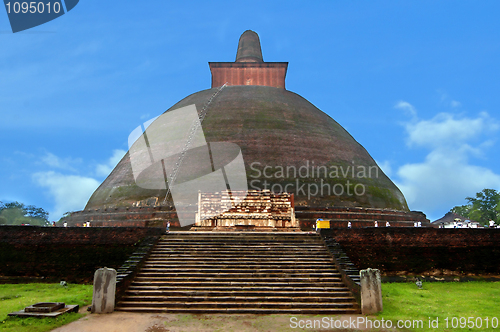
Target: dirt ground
(138, 322)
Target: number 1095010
(33, 7)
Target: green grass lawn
(15, 297)
(404, 301)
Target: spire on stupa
(249, 67)
(249, 48)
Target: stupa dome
(286, 142)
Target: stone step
(235, 304)
(234, 236)
(251, 278)
(268, 284)
(254, 239)
(167, 238)
(228, 298)
(329, 292)
(180, 258)
(259, 253)
(282, 255)
(246, 252)
(236, 252)
(240, 270)
(255, 310)
(235, 264)
(234, 259)
(238, 275)
(246, 243)
(284, 237)
(251, 235)
(183, 263)
(249, 287)
(227, 246)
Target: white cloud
(441, 180)
(105, 169)
(407, 108)
(70, 192)
(446, 175)
(448, 101)
(447, 130)
(52, 160)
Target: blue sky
(415, 82)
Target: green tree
(14, 216)
(482, 208)
(463, 210)
(15, 213)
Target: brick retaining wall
(72, 254)
(419, 250)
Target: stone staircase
(342, 259)
(239, 272)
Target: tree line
(482, 208)
(15, 213)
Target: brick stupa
(280, 134)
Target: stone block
(371, 291)
(46, 309)
(103, 298)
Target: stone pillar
(103, 298)
(371, 291)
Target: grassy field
(402, 301)
(14, 297)
(479, 300)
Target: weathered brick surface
(72, 253)
(249, 73)
(358, 216)
(147, 216)
(417, 250)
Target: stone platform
(157, 216)
(37, 310)
(258, 208)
